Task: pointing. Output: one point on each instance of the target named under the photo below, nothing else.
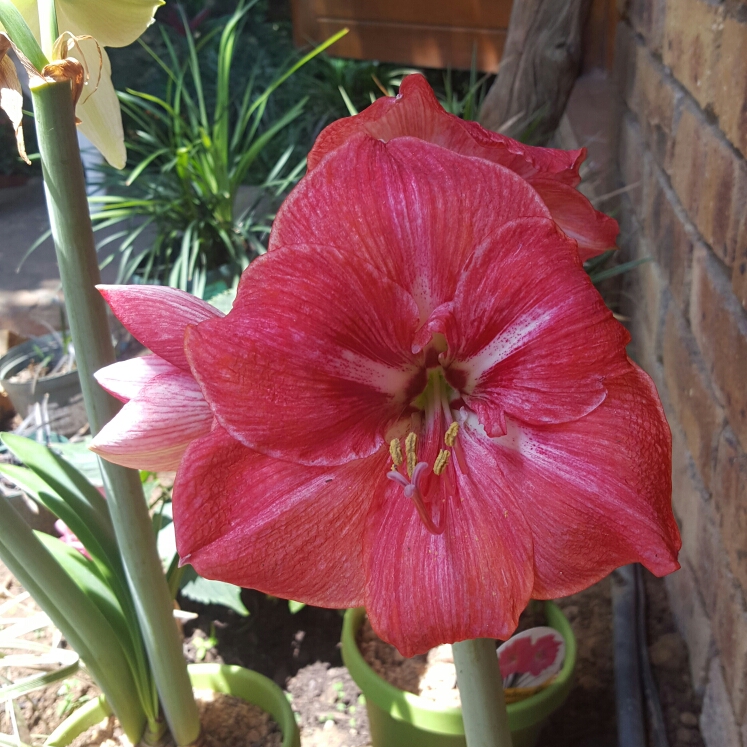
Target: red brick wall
(681, 68)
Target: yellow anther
(396, 452)
(441, 461)
(451, 434)
(410, 443)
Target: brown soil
(301, 652)
(226, 722)
(32, 372)
(38, 712)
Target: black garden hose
(656, 729)
(634, 680)
(631, 728)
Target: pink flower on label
(165, 408)
(543, 653)
(554, 174)
(516, 657)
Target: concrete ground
(30, 296)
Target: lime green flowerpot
(237, 681)
(401, 719)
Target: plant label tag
(531, 658)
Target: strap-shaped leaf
(59, 487)
(72, 611)
(64, 479)
(21, 34)
(91, 582)
(64, 661)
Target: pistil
(413, 491)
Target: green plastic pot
(401, 719)
(222, 678)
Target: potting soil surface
(226, 722)
(301, 652)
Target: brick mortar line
(710, 118)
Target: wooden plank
(413, 44)
(543, 52)
(481, 14)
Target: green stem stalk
(481, 691)
(76, 255)
(80, 621)
(47, 25)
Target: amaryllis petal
(422, 589)
(158, 316)
(534, 340)
(125, 379)
(98, 106)
(258, 522)
(153, 430)
(596, 492)
(316, 393)
(416, 112)
(413, 209)
(595, 232)
(114, 23)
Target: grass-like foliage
(191, 159)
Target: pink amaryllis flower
(165, 408)
(554, 174)
(422, 405)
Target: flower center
(416, 481)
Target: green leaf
(295, 606)
(36, 682)
(617, 270)
(224, 301)
(205, 591)
(62, 477)
(92, 583)
(82, 459)
(21, 35)
(72, 611)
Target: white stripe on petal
(125, 379)
(513, 338)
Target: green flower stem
(481, 691)
(47, 25)
(80, 621)
(76, 255)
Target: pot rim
(21, 354)
(227, 678)
(405, 706)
